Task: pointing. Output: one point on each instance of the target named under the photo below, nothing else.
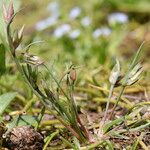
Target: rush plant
(61, 101)
(116, 79)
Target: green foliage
(109, 125)
(2, 59)
(5, 100)
(22, 120)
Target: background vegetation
(90, 34)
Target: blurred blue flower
(86, 21)
(117, 18)
(74, 13)
(104, 31)
(62, 30)
(53, 8)
(43, 24)
(74, 34)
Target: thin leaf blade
(2, 59)
(5, 100)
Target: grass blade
(5, 100)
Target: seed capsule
(73, 75)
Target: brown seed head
(73, 75)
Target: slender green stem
(68, 143)
(29, 104)
(113, 101)
(108, 102)
(40, 117)
(50, 138)
(118, 99)
(92, 146)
